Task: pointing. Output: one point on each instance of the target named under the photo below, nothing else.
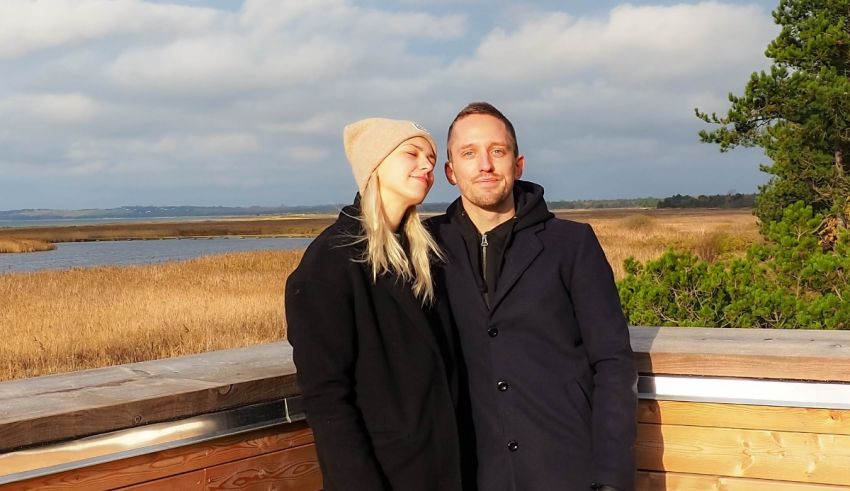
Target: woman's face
(407, 174)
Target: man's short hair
(482, 108)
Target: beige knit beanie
(369, 141)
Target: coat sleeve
(321, 329)
(606, 338)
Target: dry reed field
(24, 245)
(58, 321)
(646, 234)
(288, 226)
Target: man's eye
(499, 152)
(466, 154)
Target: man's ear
(450, 173)
(519, 165)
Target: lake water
(81, 254)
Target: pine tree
(799, 113)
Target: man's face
(482, 162)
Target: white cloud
(269, 16)
(350, 22)
(634, 44)
(49, 108)
(204, 101)
(308, 154)
(28, 25)
(277, 45)
(216, 65)
(88, 168)
(172, 145)
(322, 123)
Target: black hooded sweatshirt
(487, 249)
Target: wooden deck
(683, 444)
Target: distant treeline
(678, 201)
(605, 203)
(736, 200)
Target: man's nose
(485, 163)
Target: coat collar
(458, 263)
(525, 248)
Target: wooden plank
(296, 469)
(660, 481)
(60, 407)
(66, 406)
(756, 454)
(190, 481)
(751, 353)
(175, 461)
(795, 419)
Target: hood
(530, 206)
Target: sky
(107, 103)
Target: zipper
(484, 245)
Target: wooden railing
(720, 409)
(221, 420)
(732, 409)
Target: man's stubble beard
(486, 200)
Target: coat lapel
(459, 265)
(524, 249)
(412, 308)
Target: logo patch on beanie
(419, 127)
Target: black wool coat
(375, 371)
(550, 368)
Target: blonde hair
(384, 252)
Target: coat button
(513, 446)
(493, 332)
(502, 385)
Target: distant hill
(161, 212)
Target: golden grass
(59, 321)
(24, 245)
(646, 234)
(262, 227)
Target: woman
(372, 351)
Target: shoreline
(55, 245)
(289, 227)
(194, 237)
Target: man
(550, 369)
